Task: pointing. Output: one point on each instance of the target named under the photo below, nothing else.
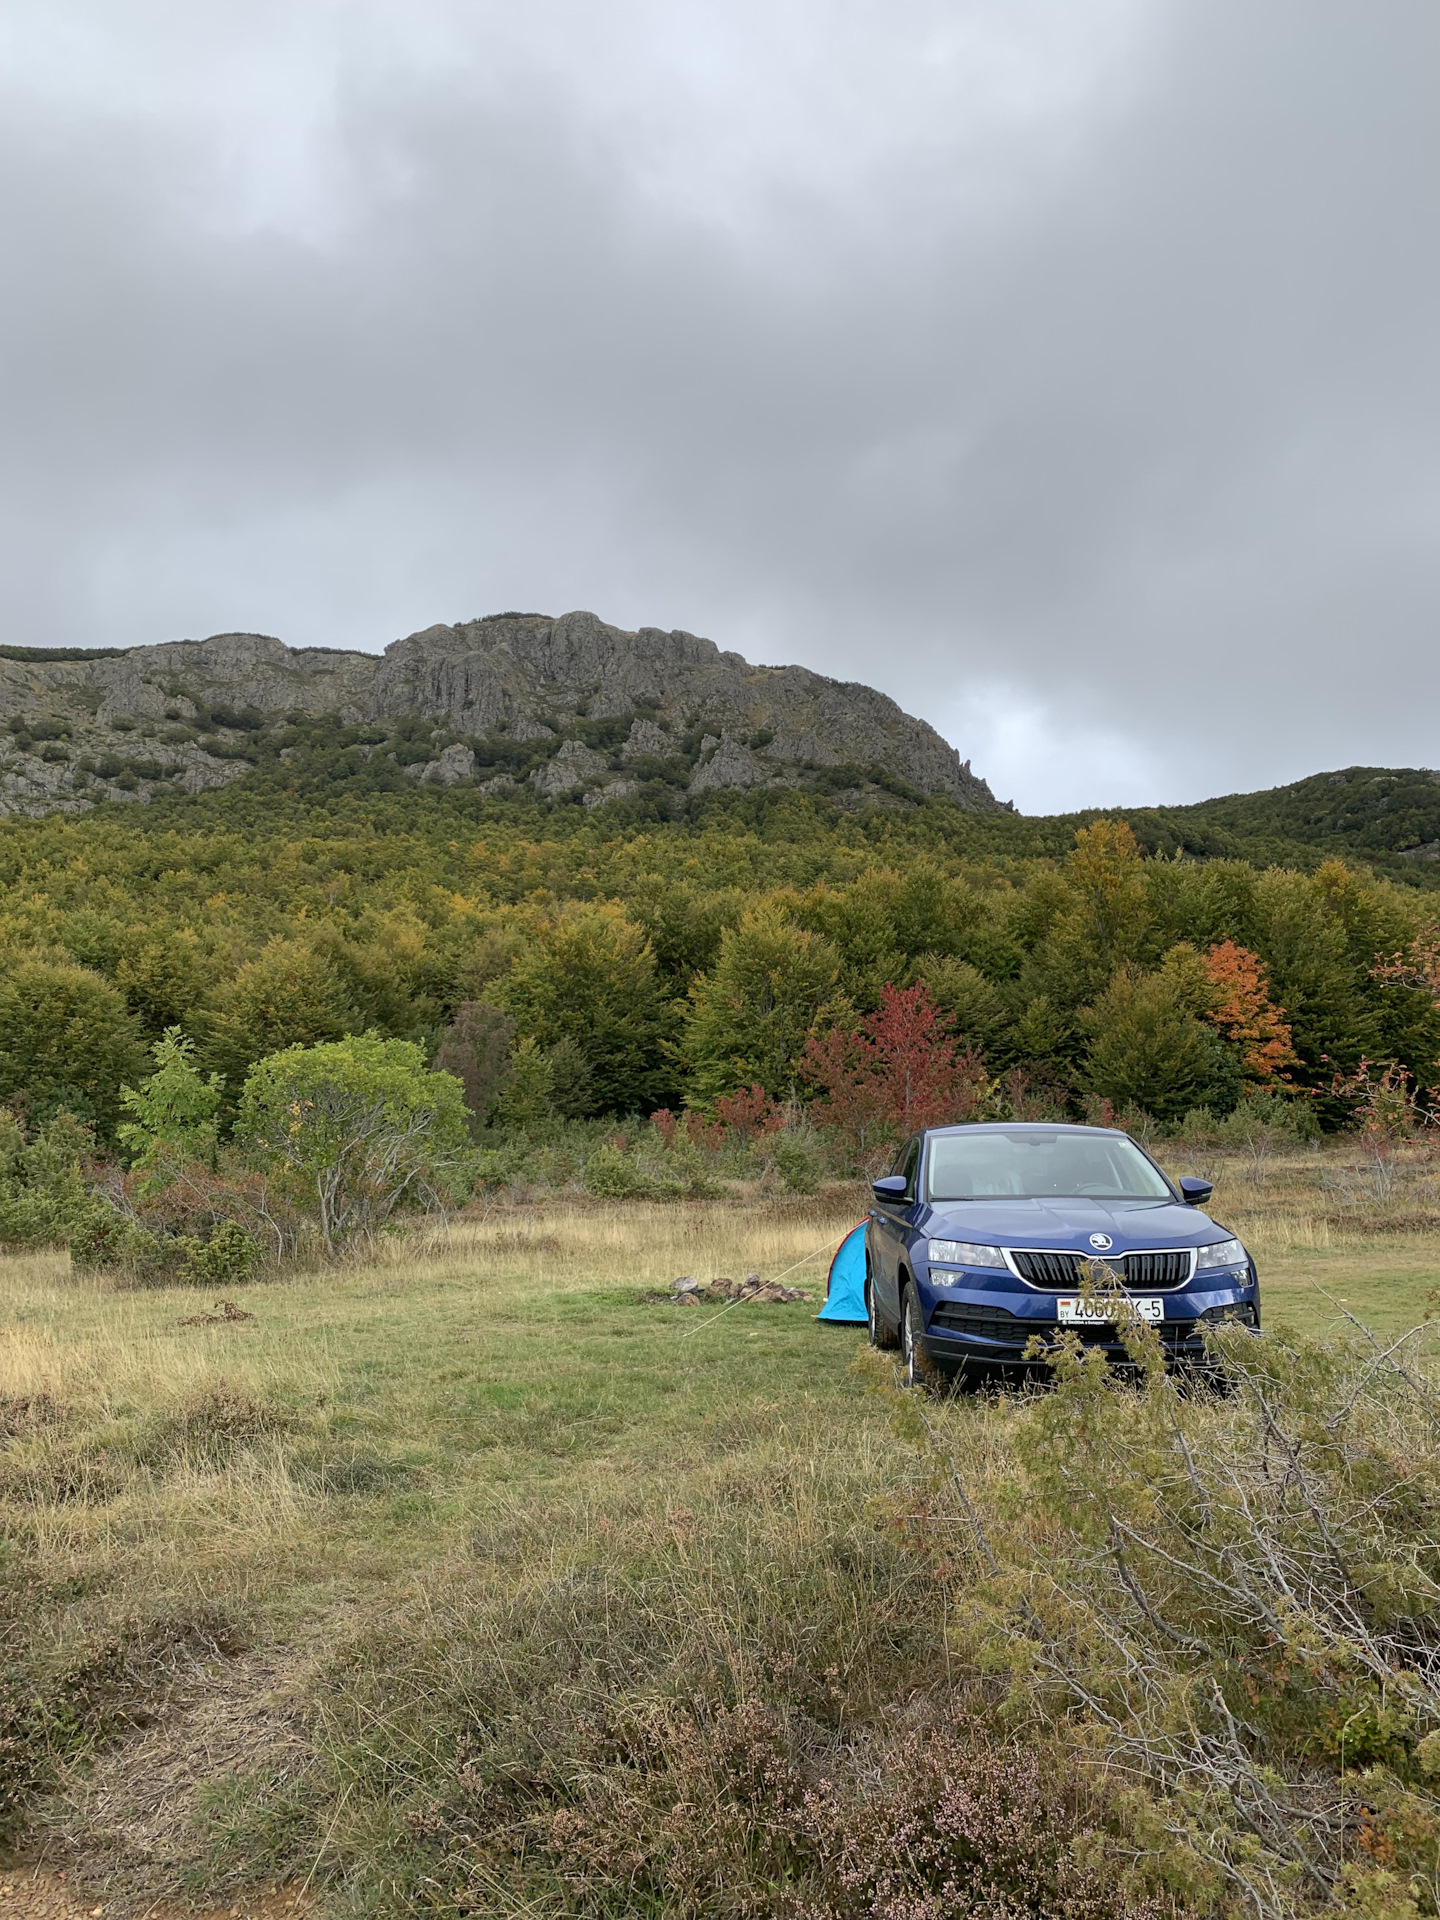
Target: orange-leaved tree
(1243, 1011)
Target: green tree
(67, 1040)
(1148, 1047)
(590, 979)
(752, 1014)
(360, 1128)
(974, 1008)
(164, 980)
(289, 995)
(174, 1109)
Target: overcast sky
(1070, 369)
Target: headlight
(964, 1253)
(1224, 1253)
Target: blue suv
(982, 1235)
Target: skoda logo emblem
(1101, 1242)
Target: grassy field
(448, 1547)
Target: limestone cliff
(571, 706)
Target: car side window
(911, 1168)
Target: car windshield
(1040, 1166)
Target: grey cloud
(1086, 404)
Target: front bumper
(980, 1324)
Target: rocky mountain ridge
(571, 707)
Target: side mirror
(891, 1188)
(1195, 1192)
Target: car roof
(1025, 1126)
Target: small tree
(589, 993)
(290, 995)
(750, 1114)
(476, 1048)
(361, 1127)
(753, 1013)
(174, 1109)
(1148, 1047)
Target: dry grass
(500, 1383)
(417, 1468)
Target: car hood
(1066, 1225)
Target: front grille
(1059, 1272)
(1156, 1269)
(984, 1323)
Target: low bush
(1241, 1596)
(713, 1729)
(44, 1198)
(797, 1162)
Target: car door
(891, 1220)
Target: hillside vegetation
(646, 963)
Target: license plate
(1101, 1313)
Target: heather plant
(1241, 1596)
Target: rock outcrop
(571, 708)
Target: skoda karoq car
(977, 1240)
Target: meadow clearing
(404, 1590)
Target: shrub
(227, 1259)
(360, 1130)
(1240, 1596)
(958, 1827)
(797, 1163)
(749, 1114)
(43, 1197)
(174, 1109)
(612, 1175)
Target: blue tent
(845, 1285)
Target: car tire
(919, 1369)
(881, 1336)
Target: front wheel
(919, 1369)
(880, 1335)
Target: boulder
(575, 765)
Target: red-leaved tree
(750, 1114)
(902, 1069)
(694, 1127)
